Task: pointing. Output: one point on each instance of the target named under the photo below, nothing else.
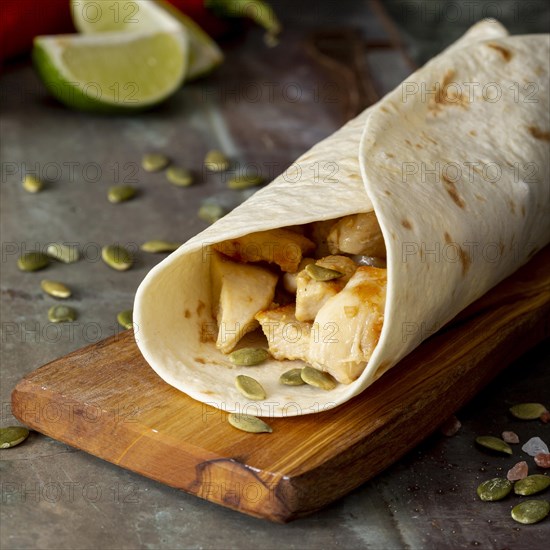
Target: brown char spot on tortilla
(390, 155)
(464, 260)
(384, 110)
(428, 138)
(473, 133)
(512, 206)
(200, 307)
(408, 142)
(453, 193)
(406, 224)
(504, 52)
(448, 238)
(387, 192)
(187, 313)
(480, 198)
(537, 133)
(200, 360)
(442, 97)
(523, 210)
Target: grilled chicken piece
(289, 279)
(280, 246)
(348, 326)
(319, 232)
(287, 337)
(239, 291)
(357, 234)
(312, 294)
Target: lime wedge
(112, 71)
(91, 17)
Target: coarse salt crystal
(517, 472)
(510, 437)
(535, 446)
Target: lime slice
(92, 17)
(112, 71)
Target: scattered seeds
(32, 261)
(542, 460)
(117, 257)
(494, 489)
(32, 184)
(248, 357)
(518, 471)
(528, 411)
(61, 314)
(451, 426)
(179, 176)
(211, 212)
(250, 387)
(249, 423)
(244, 182)
(531, 485)
(493, 443)
(154, 162)
(322, 273)
(125, 318)
(121, 193)
(531, 511)
(510, 437)
(157, 247)
(12, 436)
(65, 253)
(216, 161)
(535, 446)
(316, 378)
(292, 377)
(55, 288)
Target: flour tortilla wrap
(449, 238)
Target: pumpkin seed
(55, 288)
(154, 162)
(244, 182)
(527, 411)
(320, 273)
(531, 511)
(248, 357)
(249, 423)
(494, 489)
(12, 436)
(292, 377)
(33, 261)
(125, 318)
(250, 387)
(117, 257)
(65, 253)
(216, 161)
(211, 212)
(61, 314)
(317, 378)
(159, 246)
(32, 184)
(494, 443)
(121, 193)
(531, 484)
(179, 176)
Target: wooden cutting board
(104, 399)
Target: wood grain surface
(104, 399)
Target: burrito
(440, 191)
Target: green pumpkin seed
(292, 377)
(157, 247)
(527, 411)
(211, 212)
(32, 261)
(244, 182)
(117, 257)
(12, 436)
(61, 314)
(249, 423)
(121, 193)
(179, 176)
(248, 357)
(494, 489)
(125, 318)
(531, 511)
(317, 378)
(322, 273)
(216, 161)
(531, 485)
(55, 288)
(154, 162)
(65, 253)
(250, 387)
(32, 184)
(494, 443)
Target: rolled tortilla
(452, 230)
